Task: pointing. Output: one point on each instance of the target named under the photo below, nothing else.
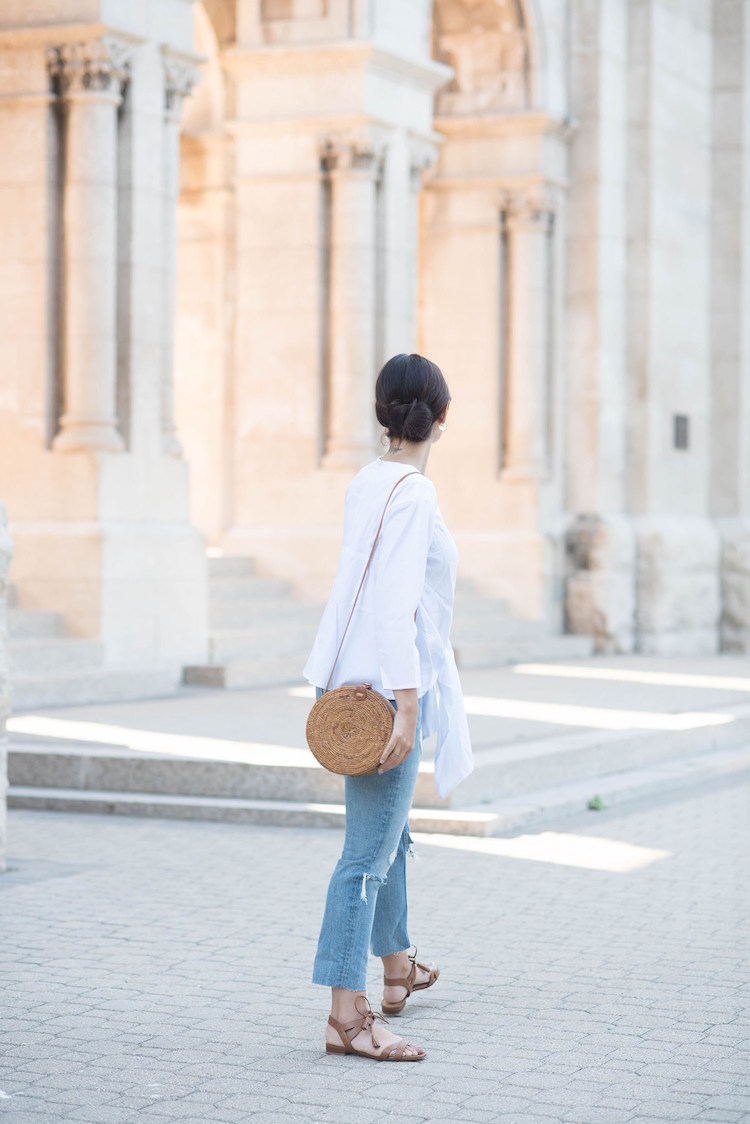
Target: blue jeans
(366, 900)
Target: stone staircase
(515, 786)
(50, 668)
(484, 633)
(261, 636)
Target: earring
(443, 426)
(385, 439)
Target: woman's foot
(399, 967)
(352, 1007)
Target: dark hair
(410, 395)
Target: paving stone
(167, 976)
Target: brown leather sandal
(409, 984)
(394, 1053)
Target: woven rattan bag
(349, 727)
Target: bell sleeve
(400, 564)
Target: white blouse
(413, 568)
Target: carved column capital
(423, 156)
(531, 206)
(96, 65)
(362, 153)
(180, 77)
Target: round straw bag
(349, 727)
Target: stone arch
(490, 45)
(223, 17)
(206, 108)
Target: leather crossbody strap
(364, 575)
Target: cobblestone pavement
(160, 970)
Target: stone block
(600, 586)
(678, 595)
(5, 556)
(735, 584)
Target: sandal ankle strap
(366, 1021)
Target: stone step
(486, 820)
(533, 649)
(234, 614)
(232, 809)
(230, 566)
(36, 763)
(101, 684)
(585, 756)
(232, 589)
(25, 624)
(52, 656)
(664, 778)
(490, 630)
(514, 783)
(258, 671)
(237, 662)
(291, 639)
(473, 607)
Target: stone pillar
(406, 160)
(179, 78)
(5, 556)
(90, 78)
(353, 167)
(600, 594)
(527, 221)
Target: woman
(399, 642)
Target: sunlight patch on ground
(566, 714)
(588, 852)
(594, 717)
(626, 675)
(156, 741)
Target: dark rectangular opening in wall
(681, 431)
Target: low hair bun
(418, 422)
(410, 395)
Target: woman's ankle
(344, 1003)
(396, 963)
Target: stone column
(527, 220)
(90, 79)
(406, 160)
(423, 157)
(353, 167)
(179, 78)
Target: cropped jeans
(366, 901)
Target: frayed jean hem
(330, 979)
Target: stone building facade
(551, 199)
(90, 468)
(221, 217)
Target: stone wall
(600, 595)
(5, 554)
(91, 469)
(657, 378)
